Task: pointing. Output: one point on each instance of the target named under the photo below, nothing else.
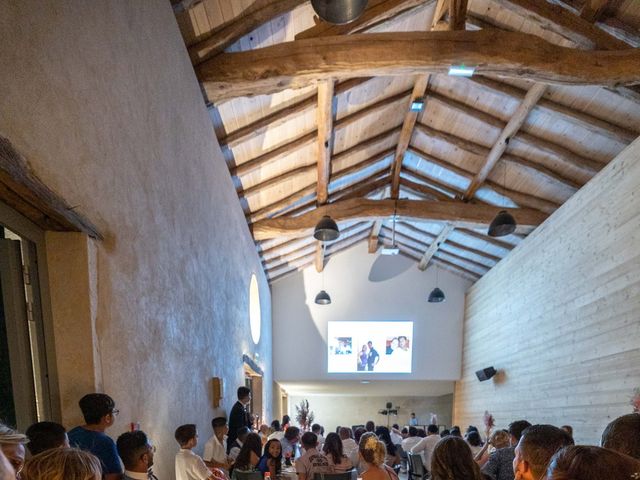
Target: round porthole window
(254, 308)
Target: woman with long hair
(384, 435)
(271, 460)
(452, 459)
(332, 449)
(249, 455)
(581, 462)
(372, 452)
(62, 464)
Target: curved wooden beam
(459, 213)
(299, 63)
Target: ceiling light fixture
(326, 230)
(503, 224)
(393, 248)
(339, 12)
(323, 298)
(461, 71)
(436, 295)
(417, 104)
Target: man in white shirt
(215, 450)
(190, 466)
(136, 454)
(426, 445)
(349, 445)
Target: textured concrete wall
(101, 99)
(332, 411)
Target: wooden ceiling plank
(372, 108)
(419, 89)
(486, 238)
(451, 193)
(542, 170)
(260, 12)
(460, 214)
(424, 190)
(324, 121)
(305, 169)
(433, 248)
(296, 64)
(500, 146)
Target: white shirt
(350, 449)
(190, 466)
(409, 442)
(425, 448)
(214, 451)
(278, 435)
(396, 439)
(233, 453)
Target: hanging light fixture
(503, 224)
(339, 12)
(326, 230)
(323, 298)
(436, 295)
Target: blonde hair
(63, 464)
(371, 449)
(500, 439)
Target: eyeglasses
(152, 448)
(115, 412)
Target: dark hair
(473, 439)
(218, 422)
(432, 428)
(396, 426)
(568, 429)
(452, 458)
(267, 455)
(344, 432)
(45, 436)
(404, 431)
(316, 427)
(581, 462)
(445, 433)
(184, 433)
(309, 439)
(291, 433)
(539, 443)
(94, 406)
(413, 431)
(472, 428)
(333, 447)
(251, 444)
(385, 437)
(623, 435)
(516, 428)
(131, 446)
(275, 425)
(455, 432)
(286, 420)
(243, 392)
(243, 431)
(357, 435)
(370, 426)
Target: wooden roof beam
(486, 238)
(324, 120)
(460, 214)
(296, 64)
(433, 248)
(223, 36)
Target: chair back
(240, 475)
(417, 467)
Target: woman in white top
(332, 449)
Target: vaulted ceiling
(314, 118)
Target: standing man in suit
(137, 455)
(239, 416)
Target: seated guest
(290, 442)
(500, 463)
(45, 436)
(370, 426)
(349, 445)
(332, 449)
(426, 445)
(63, 464)
(391, 458)
(317, 429)
(582, 462)
(623, 435)
(537, 445)
(474, 441)
(137, 455)
(498, 439)
(264, 433)
(238, 442)
(411, 440)
(452, 459)
(312, 461)
(271, 460)
(99, 412)
(12, 446)
(396, 434)
(249, 455)
(372, 452)
(277, 433)
(190, 466)
(357, 434)
(215, 450)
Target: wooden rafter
(296, 64)
(593, 10)
(458, 213)
(377, 12)
(375, 230)
(324, 120)
(260, 12)
(500, 146)
(450, 15)
(430, 252)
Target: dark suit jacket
(238, 418)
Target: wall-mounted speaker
(486, 373)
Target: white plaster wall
(100, 97)
(331, 412)
(300, 326)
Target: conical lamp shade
(326, 230)
(339, 11)
(436, 296)
(323, 298)
(503, 224)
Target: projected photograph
(383, 347)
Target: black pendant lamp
(323, 298)
(326, 230)
(503, 224)
(436, 295)
(339, 12)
